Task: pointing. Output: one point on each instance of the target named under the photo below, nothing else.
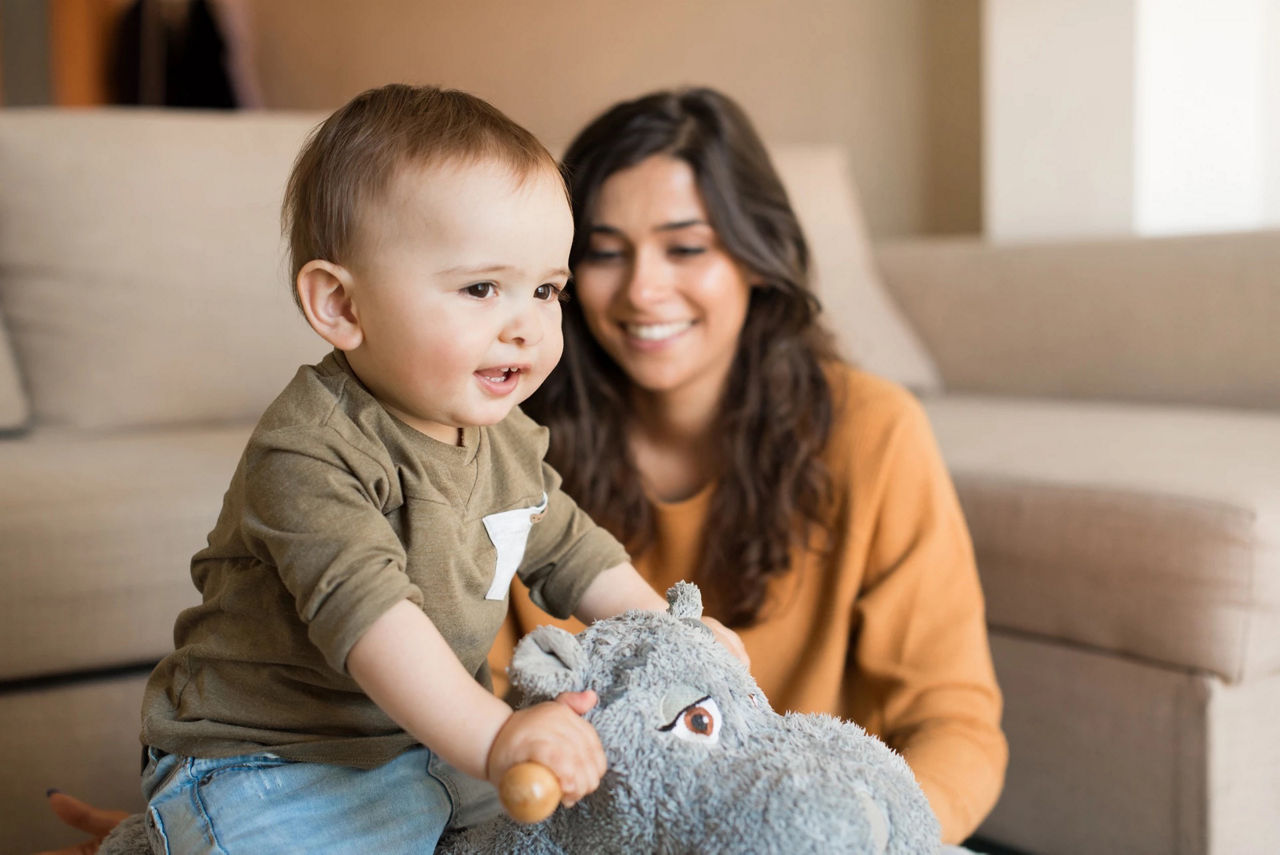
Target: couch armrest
(1190, 320)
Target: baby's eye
(699, 722)
(547, 291)
(480, 290)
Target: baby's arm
(614, 591)
(405, 666)
(621, 587)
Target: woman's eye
(685, 251)
(547, 291)
(699, 722)
(479, 289)
(601, 255)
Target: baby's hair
(349, 159)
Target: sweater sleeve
(924, 678)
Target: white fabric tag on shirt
(509, 531)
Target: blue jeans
(258, 803)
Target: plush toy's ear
(546, 662)
(684, 600)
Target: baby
(332, 685)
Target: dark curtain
(167, 60)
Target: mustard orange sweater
(880, 619)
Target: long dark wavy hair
(776, 410)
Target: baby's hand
(554, 734)
(729, 639)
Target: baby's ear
(324, 291)
(546, 662)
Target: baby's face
(456, 288)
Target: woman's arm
(923, 676)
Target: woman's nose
(649, 280)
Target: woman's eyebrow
(680, 224)
(675, 226)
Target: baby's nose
(524, 328)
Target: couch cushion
(81, 736)
(1106, 753)
(1188, 320)
(13, 401)
(140, 250)
(1149, 531)
(96, 538)
(868, 325)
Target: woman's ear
(325, 291)
(752, 278)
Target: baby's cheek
(552, 350)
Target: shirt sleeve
(924, 678)
(314, 509)
(566, 551)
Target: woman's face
(657, 288)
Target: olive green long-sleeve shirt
(336, 512)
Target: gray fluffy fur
(763, 783)
(769, 783)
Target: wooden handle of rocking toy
(529, 792)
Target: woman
(700, 414)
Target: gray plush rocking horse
(698, 761)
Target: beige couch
(1111, 413)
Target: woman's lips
(656, 333)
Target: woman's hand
(729, 639)
(95, 822)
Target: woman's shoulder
(866, 400)
(875, 421)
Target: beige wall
(1059, 143)
(1130, 117)
(896, 80)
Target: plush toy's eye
(698, 722)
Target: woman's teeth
(656, 332)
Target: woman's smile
(657, 289)
(657, 333)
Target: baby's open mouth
(498, 375)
